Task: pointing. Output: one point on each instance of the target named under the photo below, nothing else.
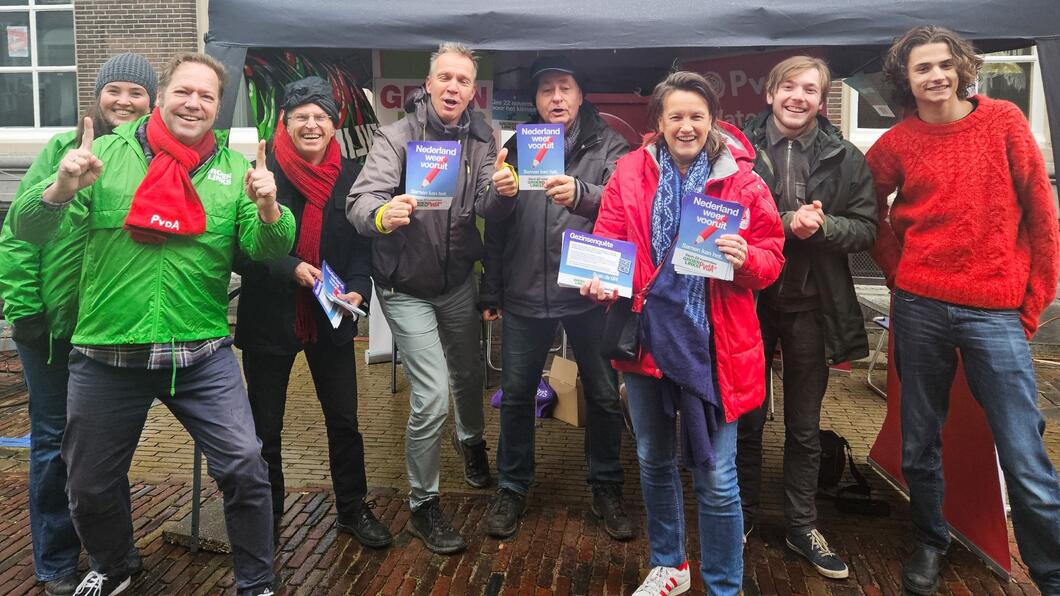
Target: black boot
(920, 572)
(429, 524)
(502, 519)
(476, 463)
(364, 526)
(607, 505)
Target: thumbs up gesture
(78, 169)
(503, 177)
(260, 186)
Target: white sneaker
(665, 581)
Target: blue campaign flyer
(584, 255)
(431, 172)
(703, 220)
(540, 154)
(327, 293)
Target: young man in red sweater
(970, 249)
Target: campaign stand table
(974, 505)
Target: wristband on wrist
(379, 219)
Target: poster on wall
(18, 41)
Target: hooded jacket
(840, 179)
(436, 251)
(176, 291)
(523, 249)
(39, 283)
(625, 214)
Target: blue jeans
(998, 368)
(717, 492)
(55, 543)
(524, 351)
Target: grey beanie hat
(128, 68)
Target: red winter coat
(625, 214)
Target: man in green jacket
(823, 190)
(163, 224)
(39, 287)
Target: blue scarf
(666, 219)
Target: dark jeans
(524, 351)
(805, 381)
(55, 543)
(334, 370)
(997, 365)
(106, 412)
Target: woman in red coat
(700, 345)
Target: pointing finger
(87, 135)
(260, 165)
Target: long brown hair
(100, 126)
(895, 63)
(684, 80)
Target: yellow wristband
(515, 173)
(379, 219)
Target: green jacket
(133, 293)
(39, 283)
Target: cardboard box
(570, 400)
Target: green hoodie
(133, 293)
(42, 280)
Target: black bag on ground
(852, 498)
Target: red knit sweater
(974, 222)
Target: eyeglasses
(304, 119)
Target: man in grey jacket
(421, 263)
(522, 256)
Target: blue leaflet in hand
(431, 172)
(703, 220)
(540, 154)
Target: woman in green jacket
(38, 285)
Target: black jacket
(265, 317)
(523, 249)
(840, 179)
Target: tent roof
(616, 24)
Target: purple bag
(544, 400)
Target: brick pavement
(560, 549)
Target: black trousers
(805, 381)
(335, 377)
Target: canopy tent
(631, 43)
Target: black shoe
(134, 564)
(920, 571)
(64, 586)
(98, 584)
(429, 524)
(364, 526)
(607, 505)
(815, 549)
(504, 512)
(748, 527)
(476, 464)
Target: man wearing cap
(279, 316)
(167, 215)
(522, 258)
(422, 264)
(39, 287)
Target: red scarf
(315, 183)
(166, 203)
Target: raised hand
(398, 212)
(78, 169)
(260, 187)
(503, 177)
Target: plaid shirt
(181, 354)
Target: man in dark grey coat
(823, 190)
(522, 258)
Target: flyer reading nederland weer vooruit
(540, 154)
(327, 293)
(584, 255)
(431, 172)
(703, 220)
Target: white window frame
(1037, 117)
(19, 133)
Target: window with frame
(1013, 75)
(38, 71)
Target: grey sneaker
(63, 586)
(815, 549)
